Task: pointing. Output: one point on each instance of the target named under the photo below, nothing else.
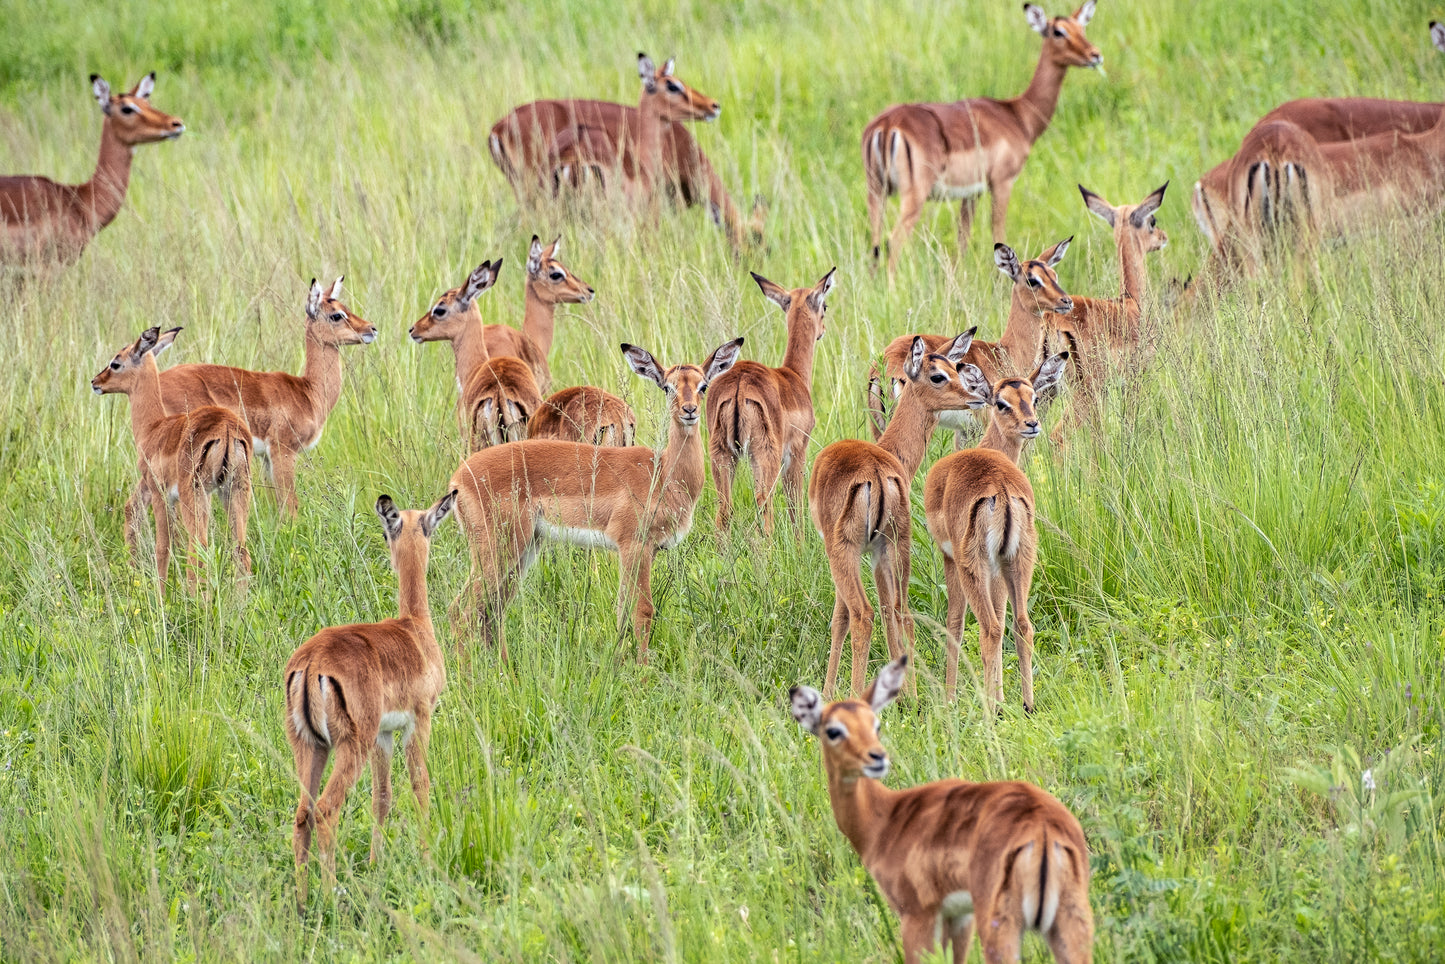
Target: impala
(522, 141)
(960, 150)
(583, 413)
(859, 497)
(42, 219)
(950, 856)
(980, 511)
(766, 414)
(632, 501)
(1036, 297)
(549, 284)
(184, 457)
(355, 690)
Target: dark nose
(591, 290)
(689, 410)
(1098, 59)
(1032, 423)
(877, 756)
(176, 124)
(1066, 304)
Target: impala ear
(1056, 254)
(1437, 35)
(1097, 206)
(1037, 19)
(551, 252)
(1049, 376)
(335, 291)
(166, 340)
(437, 513)
(807, 707)
(101, 89)
(668, 67)
(888, 684)
(818, 298)
(1006, 261)
(913, 365)
(1084, 14)
(146, 85)
(1148, 206)
(722, 358)
(644, 364)
(390, 518)
(313, 301)
(146, 341)
(534, 257)
(481, 278)
(647, 70)
(777, 295)
(960, 346)
(976, 384)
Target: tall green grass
(1239, 603)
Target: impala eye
(1059, 33)
(1002, 405)
(1034, 282)
(939, 378)
(673, 87)
(127, 109)
(558, 276)
(338, 316)
(115, 364)
(834, 733)
(440, 311)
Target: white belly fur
(576, 535)
(397, 720)
(315, 439)
(943, 191)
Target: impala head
(933, 378)
(671, 98)
(454, 310)
(1014, 401)
(813, 300)
(848, 729)
(684, 384)
(332, 323)
(1137, 219)
(1036, 281)
(409, 531)
(1064, 36)
(131, 115)
(125, 368)
(548, 279)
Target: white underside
(575, 535)
(259, 446)
(683, 528)
(954, 914)
(943, 191)
(957, 420)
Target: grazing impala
(45, 220)
(951, 855)
(583, 413)
(980, 510)
(631, 500)
(1036, 297)
(286, 413)
(522, 142)
(766, 414)
(859, 497)
(582, 152)
(960, 150)
(356, 689)
(184, 457)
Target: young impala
(43, 220)
(980, 511)
(355, 690)
(633, 501)
(549, 284)
(951, 856)
(286, 413)
(1035, 301)
(961, 150)
(766, 414)
(184, 457)
(859, 497)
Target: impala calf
(583, 413)
(766, 414)
(951, 855)
(184, 457)
(980, 511)
(355, 690)
(632, 501)
(45, 220)
(961, 150)
(859, 497)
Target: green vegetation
(1239, 603)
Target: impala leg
(953, 627)
(195, 506)
(910, 208)
(962, 940)
(1072, 936)
(636, 594)
(161, 509)
(891, 571)
(416, 747)
(918, 933)
(381, 795)
(1000, 192)
(795, 490)
(1000, 924)
(876, 199)
(350, 760)
(979, 593)
(134, 512)
(724, 465)
(839, 629)
(1019, 576)
(283, 473)
(767, 467)
(845, 563)
(967, 208)
(310, 765)
(237, 497)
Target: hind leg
(1019, 576)
(310, 765)
(891, 570)
(237, 498)
(724, 465)
(195, 504)
(795, 491)
(416, 747)
(161, 509)
(953, 626)
(845, 564)
(1000, 192)
(966, 210)
(350, 761)
(1072, 936)
(910, 209)
(979, 593)
(767, 467)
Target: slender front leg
(416, 748)
(1001, 192)
(637, 574)
(283, 473)
(161, 509)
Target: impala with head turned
(184, 457)
(43, 221)
(966, 148)
(952, 857)
(633, 501)
(357, 690)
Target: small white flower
(1367, 780)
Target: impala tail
(1042, 872)
(307, 696)
(871, 500)
(883, 147)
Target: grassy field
(1241, 597)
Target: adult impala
(952, 856)
(184, 456)
(961, 150)
(40, 219)
(766, 414)
(859, 497)
(633, 501)
(355, 690)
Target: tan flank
(980, 511)
(43, 220)
(951, 856)
(766, 414)
(184, 456)
(355, 690)
(961, 150)
(859, 497)
(633, 501)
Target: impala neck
(1035, 106)
(1012, 446)
(859, 806)
(1131, 263)
(411, 588)
(323, 369)
(906, 437)
(469, 345)
(649, 139)
(802, 343)
(100, 197)
(537, 320)
(682, 459)
(146, 408)
(1023, 334)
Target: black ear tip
(453, 493)
(903, 661)
(1000, 246)
(95, 77)
(738, 341)
(626, 347)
